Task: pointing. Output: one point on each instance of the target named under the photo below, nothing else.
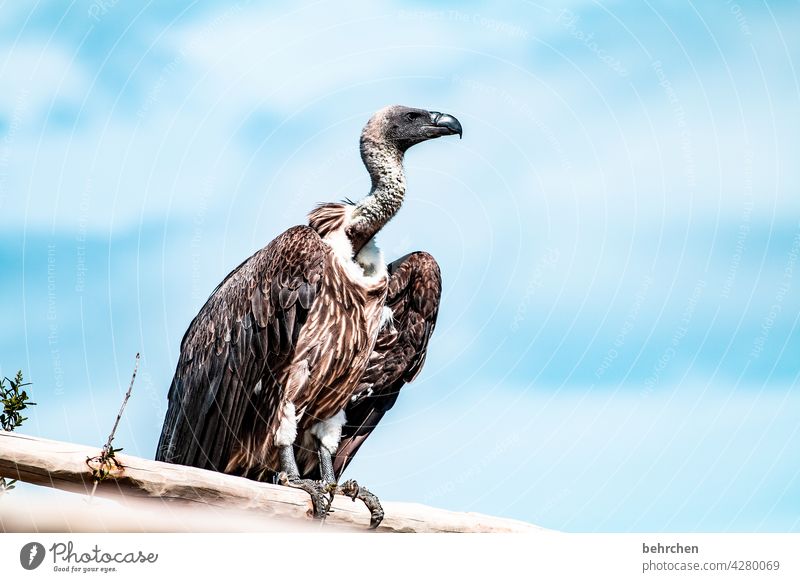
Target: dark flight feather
(241, 340)
(415, 288)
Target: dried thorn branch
(105, 464)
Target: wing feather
(242, 338)
(415, 288)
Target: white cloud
(33, 76)
(542, 140)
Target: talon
(320, 503)
(330, 489)
(354, 491)
(350, 489)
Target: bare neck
(384, 163)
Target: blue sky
(619, 234)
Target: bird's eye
(411, 115)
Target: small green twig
(14, 401)
(104, 464)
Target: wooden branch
(63, 466)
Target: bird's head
(404, 127)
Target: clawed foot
(321, 493)
(354, 491)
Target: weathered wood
(63, 466)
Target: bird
(300, 351)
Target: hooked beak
(448, 124)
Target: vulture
(300, 351)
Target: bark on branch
(210, 494)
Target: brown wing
(224, 390)
(415, 287)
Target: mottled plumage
(415, 288)
(294, 358)
(236, 356)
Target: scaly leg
(349, 488)
(290, 477)
(325, 464)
